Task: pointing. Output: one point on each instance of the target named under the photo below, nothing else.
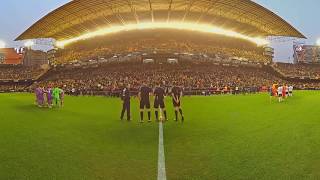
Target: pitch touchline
(161, 157)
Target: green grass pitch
(223, 137)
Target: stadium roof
(82, 16)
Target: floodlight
(2, 44)
(29, 44)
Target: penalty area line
(161, 158)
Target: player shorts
(49, 100)
(144, 104)
(280, 95)
(159, 103)
(175, 104)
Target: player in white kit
(280, 88)
(290, 90)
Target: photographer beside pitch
(125, 97)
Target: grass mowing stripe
(161, 157)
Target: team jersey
(61, 94)
(49, 93)
(159, 93)
(56, 92)
(144, 93)
(280, 90)
(283, 89)
(271, 91)
(176, 91)
(290, 88)
(37, 91)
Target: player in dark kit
(125, 97)
(159, 94)
(144, 97)
(176, 99)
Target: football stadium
(159, 89)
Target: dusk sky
(17, 16)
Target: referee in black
(144, 97)
(159, 95)
(125, 97)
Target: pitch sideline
(161, 157)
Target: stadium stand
(19, 72)
(197, 73)
(311, 71)
(16, 78)
(196, 78)
(13, 88)
(101, 64)
(11, 56)
(168, 41)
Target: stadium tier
(19, 72)
(10, 56)
(195, 75)
(302, 71)
(161, 41)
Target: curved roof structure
(82, 16)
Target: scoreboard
(306, 54)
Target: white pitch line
(161, 158)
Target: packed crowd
(299, 70)
(12, 88)
(109, 78)
(224, 53)
(19, 72)
(165, 42)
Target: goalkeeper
(56, 96)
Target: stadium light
(206, 28)
(29, 44)
(318, 42)
(2, 44)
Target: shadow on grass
(32, 107)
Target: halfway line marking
(161, 158)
